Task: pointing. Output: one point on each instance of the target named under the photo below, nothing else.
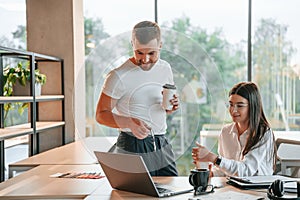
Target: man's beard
(148, 66)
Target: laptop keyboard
(161, 189)
(168, 190)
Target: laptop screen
(128, 172)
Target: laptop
(128, 172)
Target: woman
(246, 146)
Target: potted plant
(19, 75)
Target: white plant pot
(38, 89)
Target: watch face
(218, 161)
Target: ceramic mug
(199, 179)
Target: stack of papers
(263, 182)
(82, 175)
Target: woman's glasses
(236, 106)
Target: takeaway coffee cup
(168, 94)
(199, 178)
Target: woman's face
(239, 109)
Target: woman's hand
(202, 154)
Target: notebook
(129, 173)
(252, 182)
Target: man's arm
(105, 116)
(104, 113)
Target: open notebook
(128, 172)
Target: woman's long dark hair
(258, 124)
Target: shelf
(49, 98)
(15, 131)
(14, 99)
(48, 109)
(24, 129)
(16, 141)
(42, 126)
(16, 53)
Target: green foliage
(93, 33)
(181, 25)
(228, 58)
(20, 73)
(272, 53)
(20, 36)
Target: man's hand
(139, 128)
(175, 103)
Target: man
(131, 101)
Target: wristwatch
(218, 161)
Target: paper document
(231, 195)
(290, 187)
(82, 175)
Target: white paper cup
(168, 94)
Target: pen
(63, 175)
(153, 137)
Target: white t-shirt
(139, 92)
(258, 161)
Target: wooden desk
(105, 192)
(78, 152)
(36, 183)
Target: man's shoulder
(123, 67)
(163, 62)
(163, 65)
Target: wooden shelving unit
(45, 113)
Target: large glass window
(276, 59)
(106, 20)
(205, 43)
(13, 23)
(13, 35)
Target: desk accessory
(276, 191)
(199, 178)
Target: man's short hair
(146, 31)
